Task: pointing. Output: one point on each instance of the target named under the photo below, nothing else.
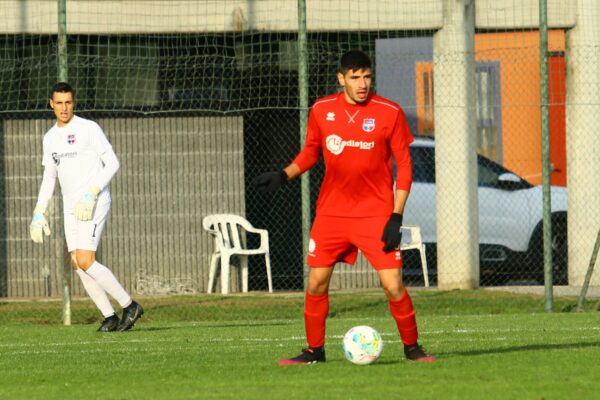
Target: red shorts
(338, 239)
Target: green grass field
(490, 345)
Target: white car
(510, 220)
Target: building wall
(396, 72)
(401, 68)
(518, 54)
(145, 16)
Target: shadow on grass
(211, 325)
(362, 306)
(247, 325)
(152, 329)
(529, 347)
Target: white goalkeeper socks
(105, 278)
(96, 293)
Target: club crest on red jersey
(368, 125)
(71, 138)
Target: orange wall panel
(558, 131)
(518, 54)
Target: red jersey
(357, 142)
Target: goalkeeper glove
(84, 209)
(392, 235)
(39, 225)
(270, 181)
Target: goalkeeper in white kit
(77, 151)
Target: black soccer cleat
(311, 355)
(416, 352)
(131, 313)
(109, 324)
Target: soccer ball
(362, 345)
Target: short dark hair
(354, 60)
(62, 87)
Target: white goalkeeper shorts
(85, 235)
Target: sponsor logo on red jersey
(336, 145)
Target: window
(489, 135)
(424, 89)
(489, 119)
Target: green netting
(200, 97)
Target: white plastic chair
(416, 243)
(229, 233)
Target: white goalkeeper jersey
(75, 151)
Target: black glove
(270, 181)
(392, 235)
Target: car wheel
(559, 250)
(535, 256)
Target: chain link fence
(198, 98)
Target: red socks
(316, 309)
(403, 312)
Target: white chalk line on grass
(495, 331)
(242, 344)
(512, 330)
(87, 342)
(92, 346)
(470, 335)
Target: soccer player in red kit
(357, 133)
